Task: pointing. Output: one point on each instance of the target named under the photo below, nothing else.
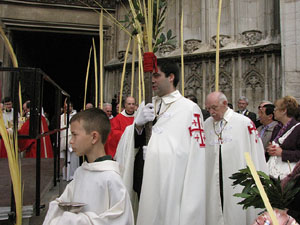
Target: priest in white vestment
(8, 112)
(228, 136)
(173, 185)
(73, 160)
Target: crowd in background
(276, 123)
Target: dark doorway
(63, 57)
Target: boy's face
(81, 141)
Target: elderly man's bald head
(216, 103)
(89, 106)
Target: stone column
(290, 44)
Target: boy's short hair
(94, 119)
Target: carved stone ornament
(225, 82)
(251, 37)
(191, 45)
(223, 40)
(121, 55)
(166, 49)
(253, 79)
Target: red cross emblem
(197, 131)
(253, 128)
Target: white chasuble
(173, 188)
(238, 135)
(100, 187)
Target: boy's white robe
(173, 189)
(239, 136)
(100, 186)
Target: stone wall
(253, 72)
(258, 39)
(250, 50)
(290, 36)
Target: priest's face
(8, 106)
(215, 107)
(130, 105)
(81, 141)
(162, 85)
(108, 110)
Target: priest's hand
(146, 115)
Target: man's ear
(270, 116)
(171, 77)
(95, 137)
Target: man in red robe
(29, 145)
(3, 153)
(118, 125)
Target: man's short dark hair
(168, 67)
(192, 98)
(269, 109)
(94, 119)
(6, 99)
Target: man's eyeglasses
(214, 108)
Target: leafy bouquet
(279, 198)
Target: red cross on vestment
(253, 128)
(197, 131)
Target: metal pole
(38, 177)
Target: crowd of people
(27, 147)
(181, 174)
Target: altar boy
(97, 182)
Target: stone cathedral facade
(259, 42)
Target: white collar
(169, 98)
(127, 115)
(228, 114)
(106, 165)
